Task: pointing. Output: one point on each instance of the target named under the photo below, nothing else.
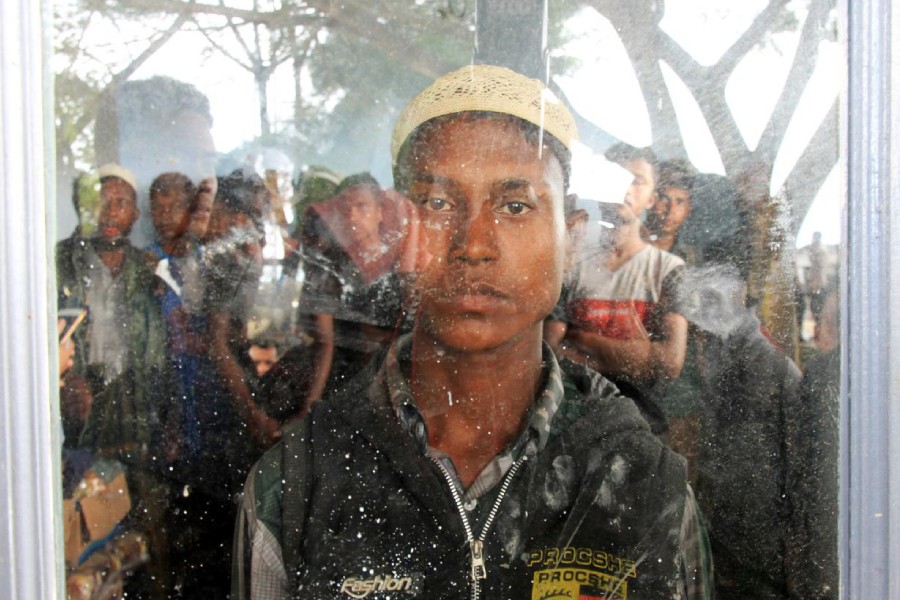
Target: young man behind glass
(468, 461)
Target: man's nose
(475, 238)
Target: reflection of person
(620, 309)
(120, 353)
(226, 428)
(665, 222)
(672, 205)
(313, 185)
(203, 207)
(743, 448)
(817, 280)
(175, 258)
(750, 433)
(154, 126)
(812, 552)
(121, 345)
(233, 269)
(172, 196)
(74, 397)
(66, 351)
(468, 460)
(264, 355)
(350, 303)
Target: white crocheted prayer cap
(114, 170)
(487, 88)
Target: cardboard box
(72, 530)
(94, 516)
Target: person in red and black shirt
(618, 313)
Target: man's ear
(576, 227)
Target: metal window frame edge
(30, 491)
(870, 397)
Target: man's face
(183, 143)
(206, 194)
(118, 209)
(362, 212)
(639, 196)
(171, 214)
(220, 221)
(491, 211)
(263, 358)
(672, 206)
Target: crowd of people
(471, 322)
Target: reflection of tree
(770, 221)
(377, 56)
(357, 52)
(354, 62)
(260, 47)
(647, 46)
(77, 92)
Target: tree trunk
(261, 76)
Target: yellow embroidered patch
(577, 584)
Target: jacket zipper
(478, 571)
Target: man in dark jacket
(126, 407)
(121, 350)
(467, 461)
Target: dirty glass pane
(237, 244)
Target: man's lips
(110, 231)
(670, 225)
(473, 297)
(166, 231)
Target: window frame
(30, 493)
(30, 496)
(870, 392)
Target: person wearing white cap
(120, 354)
(467, 461)
(158, 125)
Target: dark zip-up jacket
(595, 514)
(130, 412)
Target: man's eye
(437, 204)
(515, 207)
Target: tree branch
(816, 162)
(275, 18)
(381, 39)
(798, 77)
(678, 58)
(150, 50)
(240, 40)
(224, 52)
(88, 116)
(748, 40)
(642, 45)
